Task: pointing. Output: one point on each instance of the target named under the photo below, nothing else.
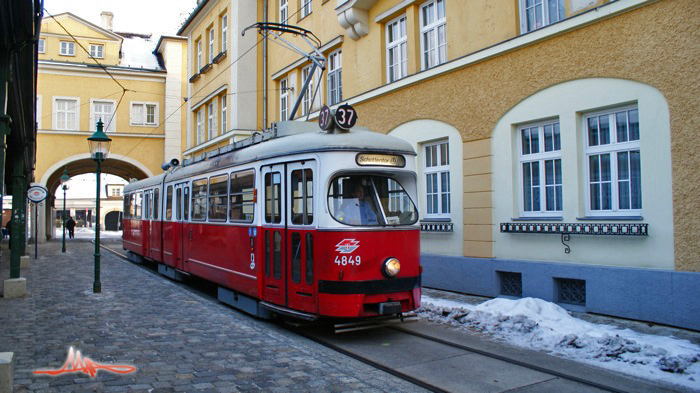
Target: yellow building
(554, 137)
(132, 82)
(223, 76)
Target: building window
(199, 55)
(97, 51)
(103, 110)
(66, 113)
(540, 169)
(540, 13)
(284, 99)
(224, 122)
(305, 8)
(437, 179)
(284, 11)
(67, 48)
(307, 104)
(396, 59)
(144, 114)
(613, 161)
(211, 46)
(335, 77)
(433, 35)
(200, 128)
(211, 120)
(224, 33)
(42, 46)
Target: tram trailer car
(305, 224)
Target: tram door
(300, 194)
(154, 233)
(273, 232)
(288, 221)
(146, 224)
(178, 224)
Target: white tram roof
(290, 137)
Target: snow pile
(541, 325)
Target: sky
(158, 17)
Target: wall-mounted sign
(37, 194)
(380, 160)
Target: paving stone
(177, 340)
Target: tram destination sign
(380, 160)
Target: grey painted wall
(660, 296)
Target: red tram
(292, 221)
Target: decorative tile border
(436, 227)
(576, 229)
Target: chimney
(107, 19)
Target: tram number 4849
(347, 260)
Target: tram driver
(356, 210)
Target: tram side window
(178, 203)
(186, 209)
(218, 197)
(155, 204)
(302, 197)
(273, 200)
(126, 205)
(146, 205)
(199, 199)
(242, 196)
(138, 204)
(169, 204)
(132, 206)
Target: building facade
(554, 138)
(131, 82)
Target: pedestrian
(70, 225)
(8, 226)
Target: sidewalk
(176, 340)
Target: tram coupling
(373, 323)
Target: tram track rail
(326, 340)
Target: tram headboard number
(345, 117)
(325, 118)
(363, 159)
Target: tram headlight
(391, 267)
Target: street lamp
(64, 185)
(99, 149)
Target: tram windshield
(370, 200)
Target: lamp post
(64, 185)
(99, 149)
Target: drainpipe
(265, 70)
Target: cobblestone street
(177, 340)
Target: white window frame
(68, 49)
(224, 114)
(200, 128)
(109, 126)
(400, 67)
(542, 9)
(55, 111)
(306, 8)
(211, 119)
(224, 33)
(41, 46)
(144, 106)
(611, 148)
(335, 72)
(199, 55)
(435, 27)
(211, 45)
(97, 51)
(306, 104)
(540, 158)
(439, 170)
(284, 11)
(284, 99)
